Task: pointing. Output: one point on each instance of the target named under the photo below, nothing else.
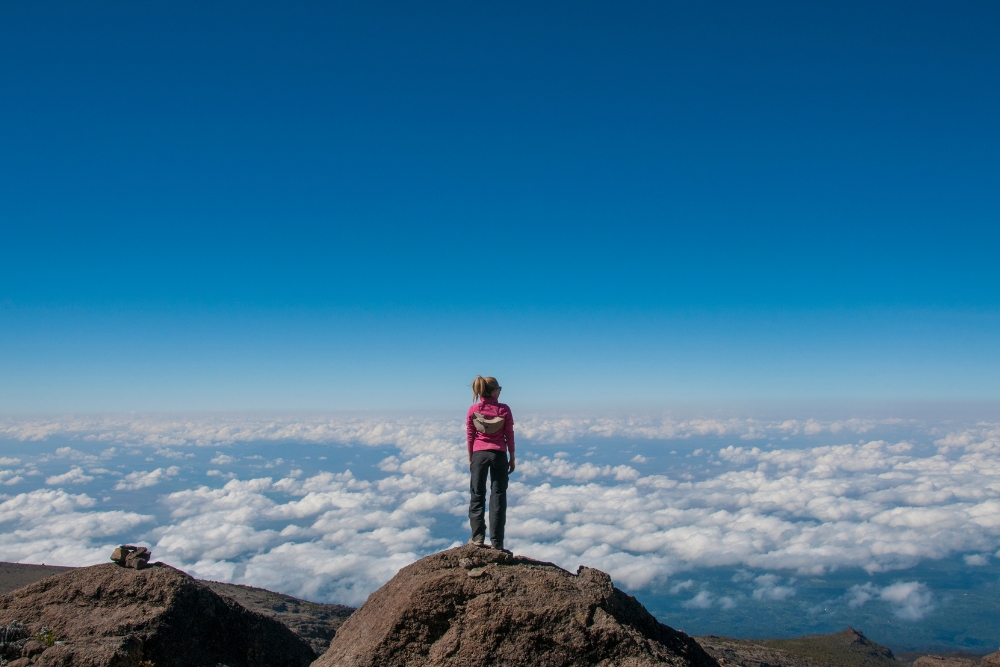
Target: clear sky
(326, 205)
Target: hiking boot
(499, 547)
(478, 540)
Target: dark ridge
(849, 648)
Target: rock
(315, 622)
(943, 661)
(138, 559)
(518, 613)
(991, 660)
(32, 648)
(14, 635)
(112, 616)
(131, 556)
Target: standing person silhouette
(489, 428)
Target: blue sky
(735, 265)
(329, 206)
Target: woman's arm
(508, 436)
(470, 433)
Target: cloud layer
(875, 504)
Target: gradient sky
(350, 205)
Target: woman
(489, 428)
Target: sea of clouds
(330, 507)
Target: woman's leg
(498, 498)
(477, 506)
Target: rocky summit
(115, 616)
(478, 606)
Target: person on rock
(489, 428)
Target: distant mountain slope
(315, 622)
(17, 575)
(849, 648)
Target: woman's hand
(510, 465)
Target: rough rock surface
(910, 657)
(111, 616)
(477, 606)
(849, 648)
(943, 661)
(991, 660)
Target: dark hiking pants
(494, 463)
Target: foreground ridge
(113, 616)
(475, 606)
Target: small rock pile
(128, 555)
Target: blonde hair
(484, 387)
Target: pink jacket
(502, 440)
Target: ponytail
(484, 387)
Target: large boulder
(113, 616)
(475, 606)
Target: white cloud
(879, 505)
(166, 452)
(74, 475)
(766, 588)
(141, 479)
(58, 528)
(7, 461)
(702, 600)
(977, 560)
(859, 594)
(161, 431)
(682, 586)
(910, 600)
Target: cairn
(128, 555)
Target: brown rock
(131, 556)
(32, 648)
(111, 616)
(991, 660)
(943, 661)
(517, 612)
